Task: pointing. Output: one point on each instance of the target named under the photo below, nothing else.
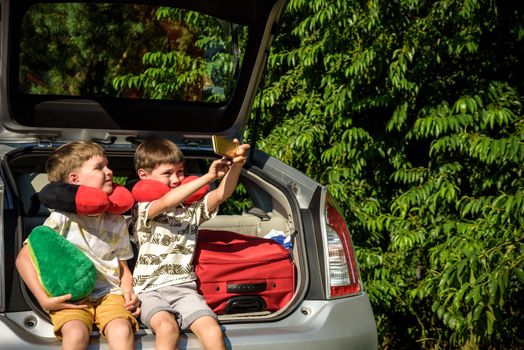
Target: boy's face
(168, 174)
(94, 173)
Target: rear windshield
(129, 51)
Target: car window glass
(129, 51)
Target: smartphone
(224, 147)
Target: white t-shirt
(103, 238)
(166, 244)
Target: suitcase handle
(246, 287)
(245, 303)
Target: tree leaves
(197, 66)
(419, 109)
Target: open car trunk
(273, 210)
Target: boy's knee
(119, 327)
(164, 323)
(75, 333)
(207, 327)
(210, 334)
(167, 328)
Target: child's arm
(229, 182)
(177, 195)
(126, 283)
(28, 273)
(217, 170)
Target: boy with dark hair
(166, 232)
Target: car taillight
(343, 278)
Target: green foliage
(195, 67)
(237, 203)
(411, 113)
(77, 49)
(128, 50)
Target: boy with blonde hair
(166, 231)
(105, 240)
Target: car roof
(26, 116)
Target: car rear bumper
(336, 324)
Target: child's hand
(219, 168)
(241, 153)
(132, 303)
(60, 302)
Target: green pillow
(62, 267)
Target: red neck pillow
(150, 190)
(86, 200)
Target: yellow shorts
(100, 312)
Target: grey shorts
(182, 300)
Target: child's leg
(119, 334)
(166, 329)
(209, 333)
(73, 326)
(195, 314)
(158, 315)
(115, 322)
(75, 335)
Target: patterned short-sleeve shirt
(103, 238)
(166, 244)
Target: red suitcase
(241, 273)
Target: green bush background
(411, 113)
